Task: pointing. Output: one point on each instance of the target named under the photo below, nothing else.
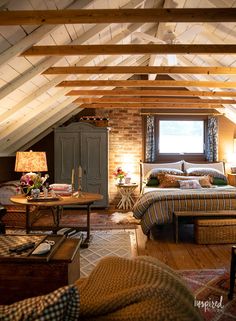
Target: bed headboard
(181, 165)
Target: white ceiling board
(4, 44)
(19, 127)
(19, 64)
(58, 79)
(8, 73)
(12, 34)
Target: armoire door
(66, 154)
(94, 164)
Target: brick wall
(125, 145)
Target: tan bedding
(157, 207)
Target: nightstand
(126, 191)
(232, 179)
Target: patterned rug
(99, 221)
(211, 288)
(106, 243)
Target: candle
(72, 176)
(80, 172)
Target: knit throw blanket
(139, 289)
(158, 207)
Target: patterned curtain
(212, 142)
(150, 140)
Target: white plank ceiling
(30, 104)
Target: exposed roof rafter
(28, 17)
(130, 49)
(138, 70)
(147, 83)
(151, 92)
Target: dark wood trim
(176, 157)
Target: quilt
(157, 207)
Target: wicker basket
(215, 231)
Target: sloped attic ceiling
(33, 99)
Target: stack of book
(61, 189)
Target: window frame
(169, 157)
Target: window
(181, 136)
(177, 137)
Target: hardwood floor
(186, 254)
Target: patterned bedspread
(158, 207)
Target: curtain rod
(183, 114)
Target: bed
(181, 186)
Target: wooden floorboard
(186, 254)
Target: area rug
(210, 288)
(98, 221)
(106, 243)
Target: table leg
(56, 212)
(86, 242)
(27, 213)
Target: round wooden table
(56, 206)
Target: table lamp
(31, 162)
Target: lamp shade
(31, 162)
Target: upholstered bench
(215, 231)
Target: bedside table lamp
(31, 162)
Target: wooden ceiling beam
(154, 105)
(151, 92)
(130, 49)
(149, 100)
(147, 83)
(138, 70)
(39, 17)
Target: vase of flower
(121, 181)
(119, 175)
(35, 193)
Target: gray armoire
(85, 145)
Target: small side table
(126, 190)
(232, 179)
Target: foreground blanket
(139, 289)
(158, 207)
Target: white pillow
(219, 166)
(147, 167)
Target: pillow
(167, 180)
(152, 182)
(190, 184)
(199, 171)
(219, 181)
(147, 167)
(62, 304)
(219, 166)
(205, 181)
(155, 171)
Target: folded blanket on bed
(143, 288)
